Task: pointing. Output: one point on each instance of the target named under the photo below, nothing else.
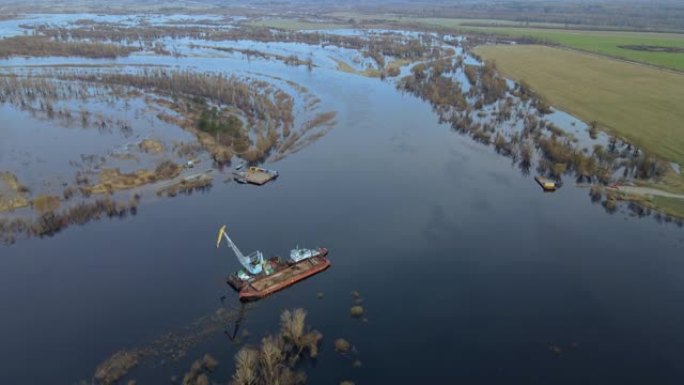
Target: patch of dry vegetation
(52, 222)
(173, 346)
(40, 46)
(187, 150)
(206, 102)
(151, 146)
(342, 345)
(112, 179)
(428, 83)
(12, 193)
(116, 367)
(219, 89)
(200, 370)
(289, 60)
(356, 311)
(187, 186)
(304, 137)
(45, 203)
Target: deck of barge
(257, 176)
(545, 183)
(282, 276)
(281, 279)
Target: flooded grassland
(128, 128)
(252, 117)
(112, 116)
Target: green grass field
(607, 43)
(640, 103)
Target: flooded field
(448, 262)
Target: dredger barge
(260, 277)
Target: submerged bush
(274, 360)
(117, 366)
(356, 311)
(342, 345)
(199, 371)
(593, 129)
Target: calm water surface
(469, 273)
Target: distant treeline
(639, 14)
(8, 17)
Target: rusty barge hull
(283, 277)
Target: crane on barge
(260, 277)
(253, 262)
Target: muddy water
(468, 272)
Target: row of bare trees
(52, 222)
(274, 360)
(41, 46)
(557, 151)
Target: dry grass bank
(111, 180)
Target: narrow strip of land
(636, 190)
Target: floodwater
(468, 272)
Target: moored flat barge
(545, 183)
(255, 175)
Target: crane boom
(253, 262)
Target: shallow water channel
(468, 272)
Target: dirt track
(648, 191)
